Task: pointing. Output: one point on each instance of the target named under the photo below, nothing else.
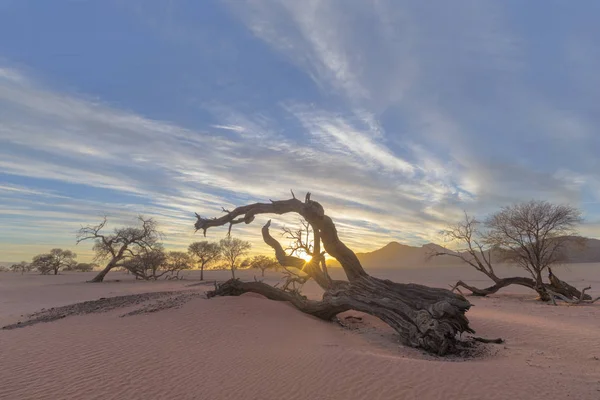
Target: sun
(304, 256)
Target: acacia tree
(540, 230)
(206, 252)
(232, 249)
(478, 254)
(82, 267)
(263, 263)
(533, 235)
(124, 243)
(22, 267)
(154, 263)
(54, 261)
(177, 261)
(429, 318)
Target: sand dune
(253, 348)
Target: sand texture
(164, 340)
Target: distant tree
(146, 264)
(83, 267)
(53, 261)
(178, 261)
(533, 235)
(206, 253)
(232, 250)
(264, 263)
(124, 243)
(21, 267)
(43, 263)
(245, 263)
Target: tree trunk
(232, 272)
(429, 318)
(102, 274)
(262, 272)
(202, 272)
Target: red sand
(253, 348)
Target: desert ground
(249, 347)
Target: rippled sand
(252, 348)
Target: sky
(396, 115)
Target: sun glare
(306, 257)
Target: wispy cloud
(396, 115)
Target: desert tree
(232, 249)
(176, 262)
(120, 245)
(475, 251)
(156, 263)
(82, 267)
(148, 264)
(533, 235)
(53, 261)
(42, 263)
(263, 263)
(538, 229)
(21, 267)
(429, 318)
(206, 253)
(246, 263)
(179, 260)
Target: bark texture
(424, 317)
(555, 286)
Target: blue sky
(396, 115)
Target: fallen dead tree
(567, 293)
(424, 317)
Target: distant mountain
(397, 255)
(583, 250)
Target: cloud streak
(415, 114)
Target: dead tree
(124, 243)
(424, 317)
(566, 292)
(305, 240)
(582, 299)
